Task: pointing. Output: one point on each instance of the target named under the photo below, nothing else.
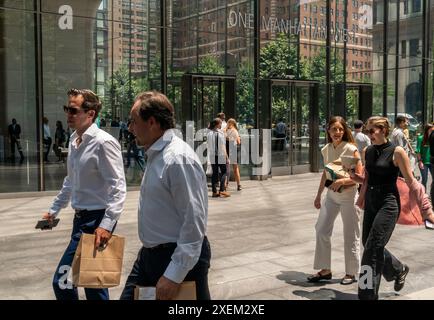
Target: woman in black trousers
(383, 162)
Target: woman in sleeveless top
(232, 142)
(383, 161)
(339, 198)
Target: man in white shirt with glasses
(95, 185)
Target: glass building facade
(261, 62)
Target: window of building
(416, 5)
(305, 20)
(315, 9)
(403, 49)
(414, 47)
(405, 6)
(305, 7)
(331, 12)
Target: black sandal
(318, 277)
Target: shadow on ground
(297, 278)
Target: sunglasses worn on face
(72, 110)
(372, 130)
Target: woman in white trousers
(340, 197)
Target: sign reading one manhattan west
(294, 27)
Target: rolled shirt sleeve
(189, 192)
(112, 171)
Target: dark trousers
(86, 223)
(152, 263)
(137, 155)
(20, 149)
(424, 174)
(215, 176)
(47, 146)
(382, 208)
(431, 169)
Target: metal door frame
(266, 109)
(365, 99)
(187, 84)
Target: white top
(173, 204)
(47, 132)
(96, 178)
(224, 124)
(216, 148)
(330, 153)
(398, 138)
(362, 140)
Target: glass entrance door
(207, 101)
(204, 96)
(291, 116)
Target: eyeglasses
(71, 110)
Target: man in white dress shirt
(173, 205)
(95, 184)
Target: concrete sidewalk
(262, 240)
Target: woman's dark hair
(426, 130)
(91, 100)
(157, 105)
(59, 124)
(348, 136)
(214, 123)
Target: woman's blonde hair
(379, 122)
(233, 122)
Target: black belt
(79, 213)
(169, 245)
(383, 187)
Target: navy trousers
(84, 223)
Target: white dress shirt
(96, 178)
(216, 148)
(173, 205)
(47, 131)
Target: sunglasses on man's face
(72, 110)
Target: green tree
(120, 92)
(245, 93)
(278, 59)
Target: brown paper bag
(98, 268)
(187, 291)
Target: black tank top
(379, 164)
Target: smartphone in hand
(45, 224)
(429, 225)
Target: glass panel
(410, 85)
(280, 115)
(352, 105)
(18, 145)
(377, 57)
(111, 47)
(300, 116)
(392, 51)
